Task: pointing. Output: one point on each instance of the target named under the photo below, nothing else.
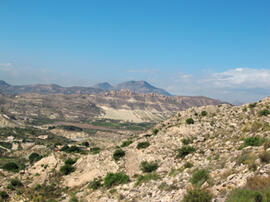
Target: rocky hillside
(122, 105)
(209, 153)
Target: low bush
(72, 149)
(265, 157)
(119, 153)
(70, 161)
(184, 151)
(155, 131)
(264, 112)
(126, 143)
(190, 121)
(95, 184)
(187, 141)
(199, 177)
(113, 179)
(203, 113)
(16, 182)
(34, 157)
(188, 165)
(86, 144)
(198, 195)
(4, 195)
(252, 105)
(67, 169)
(95, 150)
(245, 195)
(146, 178)
(254, 141)
(148, 167)
(143, 145)
(11, 166)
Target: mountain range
(134, 86)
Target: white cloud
(240, 78)
(233, 85)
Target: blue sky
(212, 48)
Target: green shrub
(188, 165)
(4, 195)
(252, 105)
(34, 157)
(203, 113)
(70, 161)
(119, 153)
(72, 149)
(11, 166)
(190, 121)
(113, 179)
(184, 151)
(245, 195)
(146, 178)
(16, 182)
(187, 141)
(264, 112)
(155, 131)
(148, 167)
(199, 177)
(143, 145)
(254, 141)
(95, 150)
(95, 184)
(67, 169)
(86, 144)
(198, 195)
(126, 143)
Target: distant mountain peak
(3, 84)
(141, 87)
(104, 86)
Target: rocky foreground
(210, 153)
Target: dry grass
(258, 182)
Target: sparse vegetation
(265, 156)
(188, 165)
(198, 195)
(189, 121)
(143, 145)
(113, 179)
(187, 141)
(70, 161)
(264, 112)
(95, 150)
(72, 149)
(199, 177)
(252, 105)
(148, 167)
(34, 157)
(67, 169)
(254, 141)
(204, 113)
(184, 151)
(4, 195)
(155, 131)
(146, 178)
(11, 166)
(126, 143)
(95, 184)
(86, 144)
(119, 153)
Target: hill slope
(215, 149)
